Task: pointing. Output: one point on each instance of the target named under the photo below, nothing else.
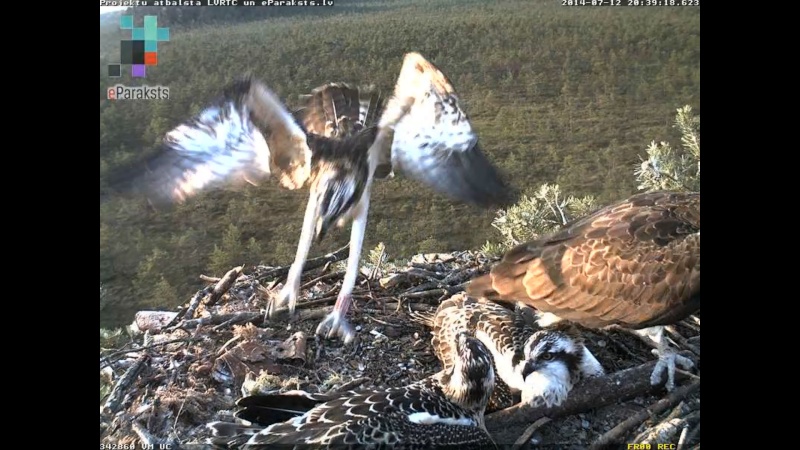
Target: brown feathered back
(340, 110)
(635, 263)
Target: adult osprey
(333, 147)
(635, 263)
(444, 410)
(542, 364)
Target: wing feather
(338, 110)
(247, 134)
(430, 138)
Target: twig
(319, 313)
(228, 343)
(328, 299)
(237, 318)
(321, 278)
(665, 431)
(462, 275)
(313, 263)
(433, 267)
(177, 416)
(158, 344)
(374, 273)
(681, 340)
(687, 374)
(223, 285)
(209, 279)
(352, 384)
(114, 401)
(195, 302)
(178, 317)
(433, 277)
(691, 435)
(434, 292)
(374, 319)
(682, 437)
(525, 437)
(146, 439)
(422, 287)
(218, 319)
(616, 434)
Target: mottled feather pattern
(497, 327)
(430, 138)
(245, 135)
(248, 135)
(635, 263)
(337, 110)
(340, 120)
(444, 409)
(341, 174)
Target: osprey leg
(335, 323)
(668, 358)
(291, 290)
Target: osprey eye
(547, 356)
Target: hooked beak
(527, 369)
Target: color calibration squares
(141, 50)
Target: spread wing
(635, 263)
(247, 134)
(428, 137)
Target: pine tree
(670, 168)
(546, 210)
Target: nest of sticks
(184, 368)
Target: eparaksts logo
(120, 92)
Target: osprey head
(552, 366)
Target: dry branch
(147, 347)
(526, 435)
(616, 434)
(311, 264)
(189, 369)
(589, 394)
(444, 290)
(680, 340)
(666, 430)
(327, 276)
(217, 319)
(223, 285)
(350, 385)
(114, 401)
(194, 303)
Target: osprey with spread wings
(336, 145)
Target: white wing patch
(221, 143)
(425, 418)
(432, 139)
(433, 124)
(246, 134)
